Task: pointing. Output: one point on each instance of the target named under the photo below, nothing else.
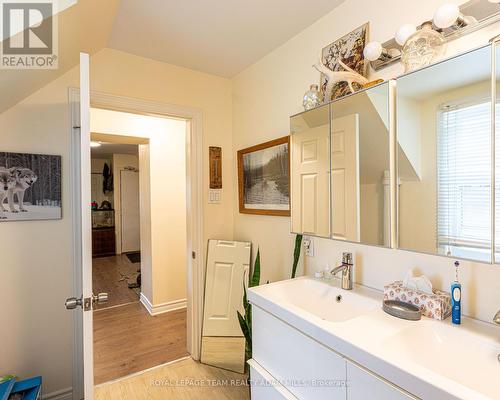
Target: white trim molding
(63, 394)
(155, 309)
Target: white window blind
(464, 180)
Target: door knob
(100, 298)
(72, 302)
(87, 302)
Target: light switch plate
(214, 196)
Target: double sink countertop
(428, 358)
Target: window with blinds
(464, 180)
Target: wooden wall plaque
(215, 157)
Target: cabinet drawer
(306, 368)
(264, 386)
(363, 385)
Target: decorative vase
(422, 47)
(312, 98)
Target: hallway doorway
(138, 177)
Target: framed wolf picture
(349, 50)
(264, 178)
(30, 187)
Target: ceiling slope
(220, 37)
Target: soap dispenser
(456, 298)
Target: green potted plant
(246, 320)
(296, 254)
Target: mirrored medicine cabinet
(445, 157)
(340, 169)
(444, 122)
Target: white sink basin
(461, 353)
(325, 301)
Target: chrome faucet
(346, 267)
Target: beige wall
(97, 164)
(269, 91)
(37, 271)
(119, 73)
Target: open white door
(81, 199)
(86, 227)
(345, 178)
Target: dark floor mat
(134, 257)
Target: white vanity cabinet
(306, 368)
(265, 385)
(288, 364)
(362, 385)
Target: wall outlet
(308, 244)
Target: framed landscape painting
(264, 178)
(30, 187)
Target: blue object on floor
(31, 389)
(6, 388)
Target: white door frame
(194, 205)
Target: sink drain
(338, 298)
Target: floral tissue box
(436, 305)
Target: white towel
(421, 283)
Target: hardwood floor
(182, 380)
(128, 339)
(111, 275)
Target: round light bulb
(372, 51)
(404, 32)
(446, 15)
(95, 144)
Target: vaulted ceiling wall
(220, 38)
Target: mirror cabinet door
(444, 157)
(310, 167)
(360, 165)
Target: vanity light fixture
(449, 15)
(374, 51)
(450, 21)
(446, 15)
(95, 144)
(404, 32)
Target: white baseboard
(163, 307)
(63, 394)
